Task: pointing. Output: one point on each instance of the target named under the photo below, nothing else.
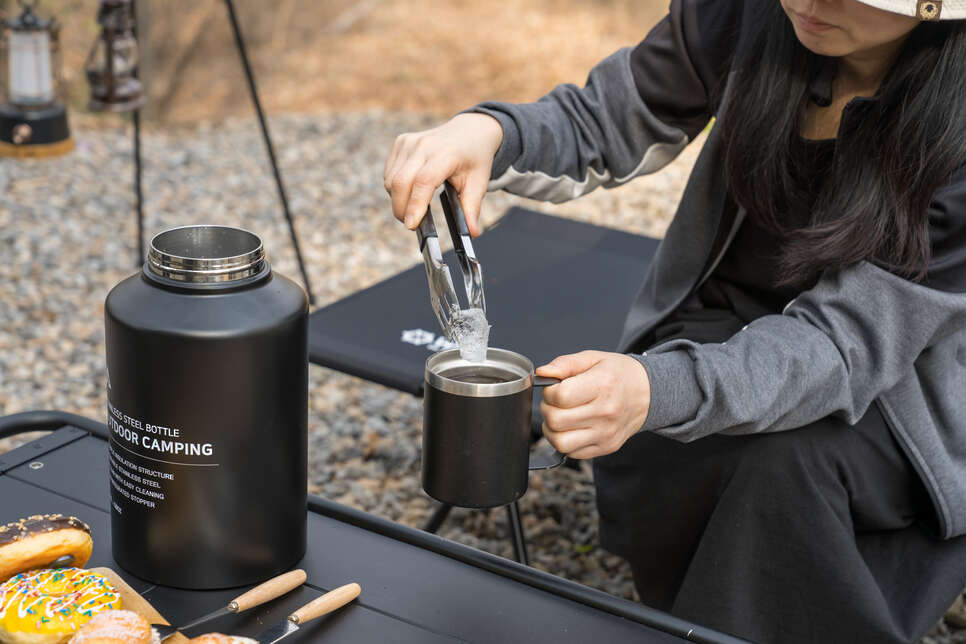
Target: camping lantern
(112, 64)
(33, 120)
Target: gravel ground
(67, 235)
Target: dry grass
(432, 56)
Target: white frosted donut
(220, 638)
(116, 627)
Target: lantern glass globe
(30, 71)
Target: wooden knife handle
(275, 587)
(326, 603)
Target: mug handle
(542, 381)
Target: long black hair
(888, 162)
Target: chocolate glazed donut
(41, 539)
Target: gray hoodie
(862, 335)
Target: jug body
(207, 410)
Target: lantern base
(34, 133)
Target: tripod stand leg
(439, 515)
(138, 195)
(253, 90)
(516, 527)
(513, 518)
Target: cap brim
(951, 9)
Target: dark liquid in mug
(480, 377)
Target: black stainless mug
(207, 407)
(476, 428)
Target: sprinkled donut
(35, 542)
(48, 606)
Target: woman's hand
(603, 400)
(461, 150)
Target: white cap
(923, 9)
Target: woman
(805, 315)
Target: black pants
(819, 534)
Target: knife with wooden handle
(319, 606)
(274, 587)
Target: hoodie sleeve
(834, 349)
(638, 109)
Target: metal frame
(48, 420)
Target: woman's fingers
(583, 379)
(570, 441)
(471, 198)
(570, 365)
(603, 401)
(402, 186)
(391, 166)
(401, 152)
(461, 150)
(573, 392)
(596, 416)
(432, 174)
(591, 451)
(422, 184)
(565, 418)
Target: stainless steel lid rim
(208, 276)
(213, 264)
(206, 254)
(502, 360)
(207, 286)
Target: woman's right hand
(461, 150)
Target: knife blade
(319, 606)
(274, 587)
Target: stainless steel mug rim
(504, 360)
(232, 265)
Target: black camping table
(552, 286)
(416, 587)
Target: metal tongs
(442, 294)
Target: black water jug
(207, 404)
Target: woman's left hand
(603, 400)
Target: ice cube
(470, 331)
